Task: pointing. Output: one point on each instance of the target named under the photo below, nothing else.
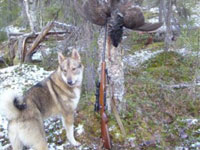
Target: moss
(137, 47)
(137, 41)
(170, 67)
(156, 113)
(156, 45)
(3, 36)
(16, 61)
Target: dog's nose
(69, 82)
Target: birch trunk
(115, 68)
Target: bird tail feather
(149, 27)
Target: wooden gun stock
(104, 119)
(104, 131)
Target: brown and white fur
(58, 94)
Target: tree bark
(115, 67)
(23, 15)
(31, 12)
(169, 35)
(161, 7)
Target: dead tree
(24, 45)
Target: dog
(58, 94)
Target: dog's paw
(75, 143)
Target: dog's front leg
(68, 121)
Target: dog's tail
(11, 104)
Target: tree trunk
(169, 35)
(161, 7)
(31, 12)
(90, 67)
(114, 66)
(23, 15)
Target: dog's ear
(76, 55)
(61, 57)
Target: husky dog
(58, 94)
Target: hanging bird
(134, 18)
(96, 12)
(117, 15)
(115, 27)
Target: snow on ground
(140, 57)
(13, 29)
(154, 10)
(196, 14)
(20, 78)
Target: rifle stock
(104, 119)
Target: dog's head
(71, 69)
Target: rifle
(101, 99)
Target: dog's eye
(73, 69)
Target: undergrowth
(155, 116)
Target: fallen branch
(23, 40)
(37, 41)
(182, 85)
(31, 35)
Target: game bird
(117, 14)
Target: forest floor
(158, 116)
(162, 94)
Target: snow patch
(154, 10)
(131, 140)
(79, 129)
(196, 145)
(191, 121)
(181, 148)
(112, 128)
(13, 29)
(140, 57)
(20, 77)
